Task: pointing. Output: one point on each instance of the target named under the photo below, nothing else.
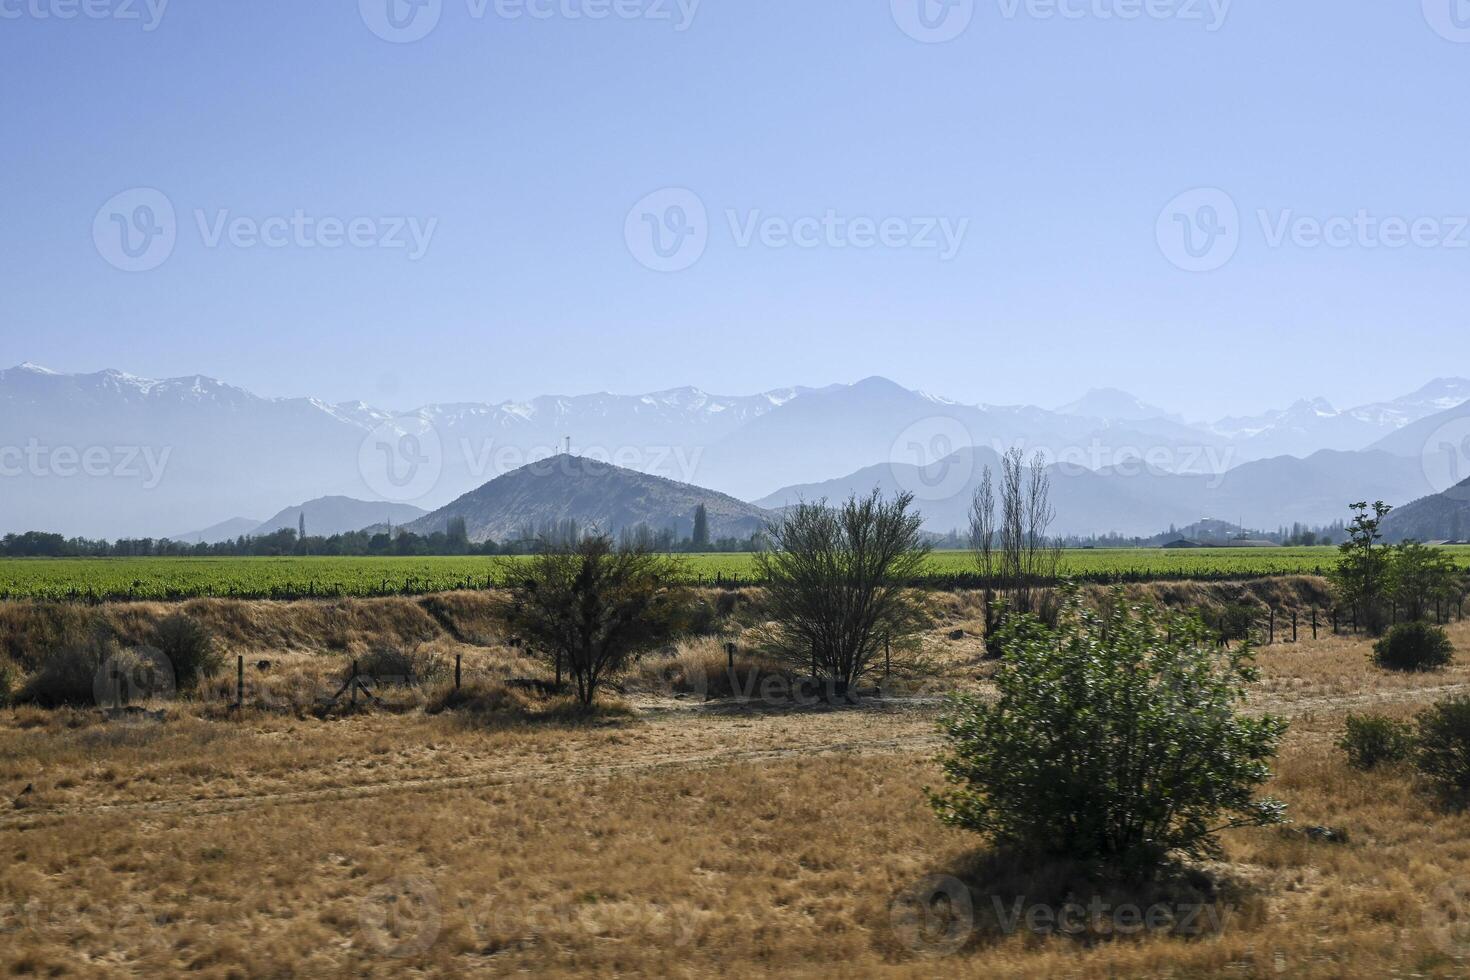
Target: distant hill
(1134, 501)
(594, 494)
(327, 516)
(223, 531)
(1441, 517)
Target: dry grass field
(499, 834)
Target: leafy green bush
(1115, 737)
(67, 675)
(1375, 740)
(1414, 646)
(1232, 621)
(1442, 750)
(190, 647)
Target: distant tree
(1014, 552)
(837, 583)
(1361, 576)
(593, 607)
(457, 535)
(1419, 577)
(700, 538)
(301, 526)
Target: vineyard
(92, 580)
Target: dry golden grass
(668, 836)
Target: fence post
(1271, 637)
(240, 681)
(1314, 622)
(457, 658)
(1293, 624)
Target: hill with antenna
(597, 495)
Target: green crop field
(87, 579)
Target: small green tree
(592, 607)
(1419, 577)
(1375, 740)
(1361, 576)
(1115, 737)
(1442, 752)
(838, 583)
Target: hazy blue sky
(522, 143)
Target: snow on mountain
(189, 451)
(1113, 404)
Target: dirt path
(858, 745)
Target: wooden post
(1293, 624)
(1314, 622)
(457, 658)
(240, 681)
(1271, 637)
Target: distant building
(1182, 543)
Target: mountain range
(112, 454)
(322, 517)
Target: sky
(1219, 206)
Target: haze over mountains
(111, 454)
